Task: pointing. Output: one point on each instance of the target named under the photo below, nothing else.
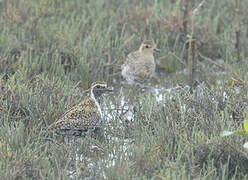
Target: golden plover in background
(84, 117)
(140, 65)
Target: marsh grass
(51, 51)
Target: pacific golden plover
(140, 65)
(84, 117)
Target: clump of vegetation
(243, 133)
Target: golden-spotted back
(140, 65)
(84, 117)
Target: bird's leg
(83, 145)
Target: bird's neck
(146, 53)
(95, 97)
(97, 101)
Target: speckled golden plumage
(140, 65)
(84, 117)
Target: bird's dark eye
(147, 46)
(98, 86)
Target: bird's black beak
(156, 50)
(109, 89)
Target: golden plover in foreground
(84, 117)
(140, 65)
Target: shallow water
(121, 104)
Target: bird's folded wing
(78, 120)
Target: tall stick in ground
(191, 47)
(237, 29)
(185, 17)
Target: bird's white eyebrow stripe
(100, 85)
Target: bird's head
(99, 88)
(147, 47)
